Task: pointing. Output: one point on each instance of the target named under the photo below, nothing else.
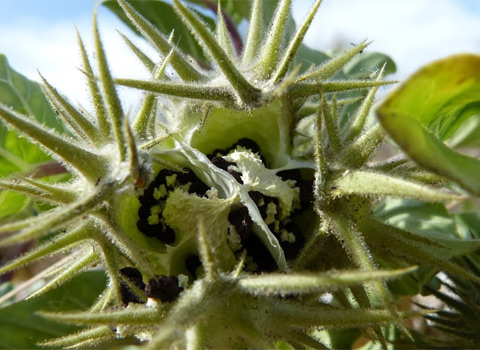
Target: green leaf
(429, 108)
(430, 220)
(367, 63)
(238, 10)
(307, 57)
(26, 97)
(468, 225)
(21, 328)
(467, 134)
(163, 17)
(18, 154)
(13, 203)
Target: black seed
(260, 254)
(159, 231)
(149, 230)
(256, 196)
(221, 163)
(240, 218)
(197, 186)
(267, 200)
(237, 176)
(292, 250)
(168, 235)
(127, 295)
(135, 277)
(164, 288)
(147, 199)
(192, 263)
(144, 212)
(217, 152)
(160, 178)
(305, 186)
(271, 227)
(263, 211)
(243, 142)
(262, 202)
(248, 144)
(143, 226)
(162, 231)
(306, 193)
(291, 174)
(186, 176)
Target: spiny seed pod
(217, 210)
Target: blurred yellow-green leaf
(429, 108)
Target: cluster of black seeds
(152, 203)
(192, 263)
(164, 288)
(305, 186)
(243, 143)
(287, 233)
(223, 164)
(216, 157)
(261, 257)
(134, 277)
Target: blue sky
(51, 9)
(39, 34)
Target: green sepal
(87, 338)
(112, 100)
(254, 37)
(193, 91)
(186, 70)
(42, 191)
(70, 268)
(48, 222)
(294, 45)
(271, 51)
(87, 163)
(247, 92)
(222, 34)
(133, 315)
(305, 89)
(294, 314)
(362, 148)
(81, 126)
(334, 65)
(56, 245)
(303, 283)
(147, 61)
(370, 183)
(95, 93)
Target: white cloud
(412, 32)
